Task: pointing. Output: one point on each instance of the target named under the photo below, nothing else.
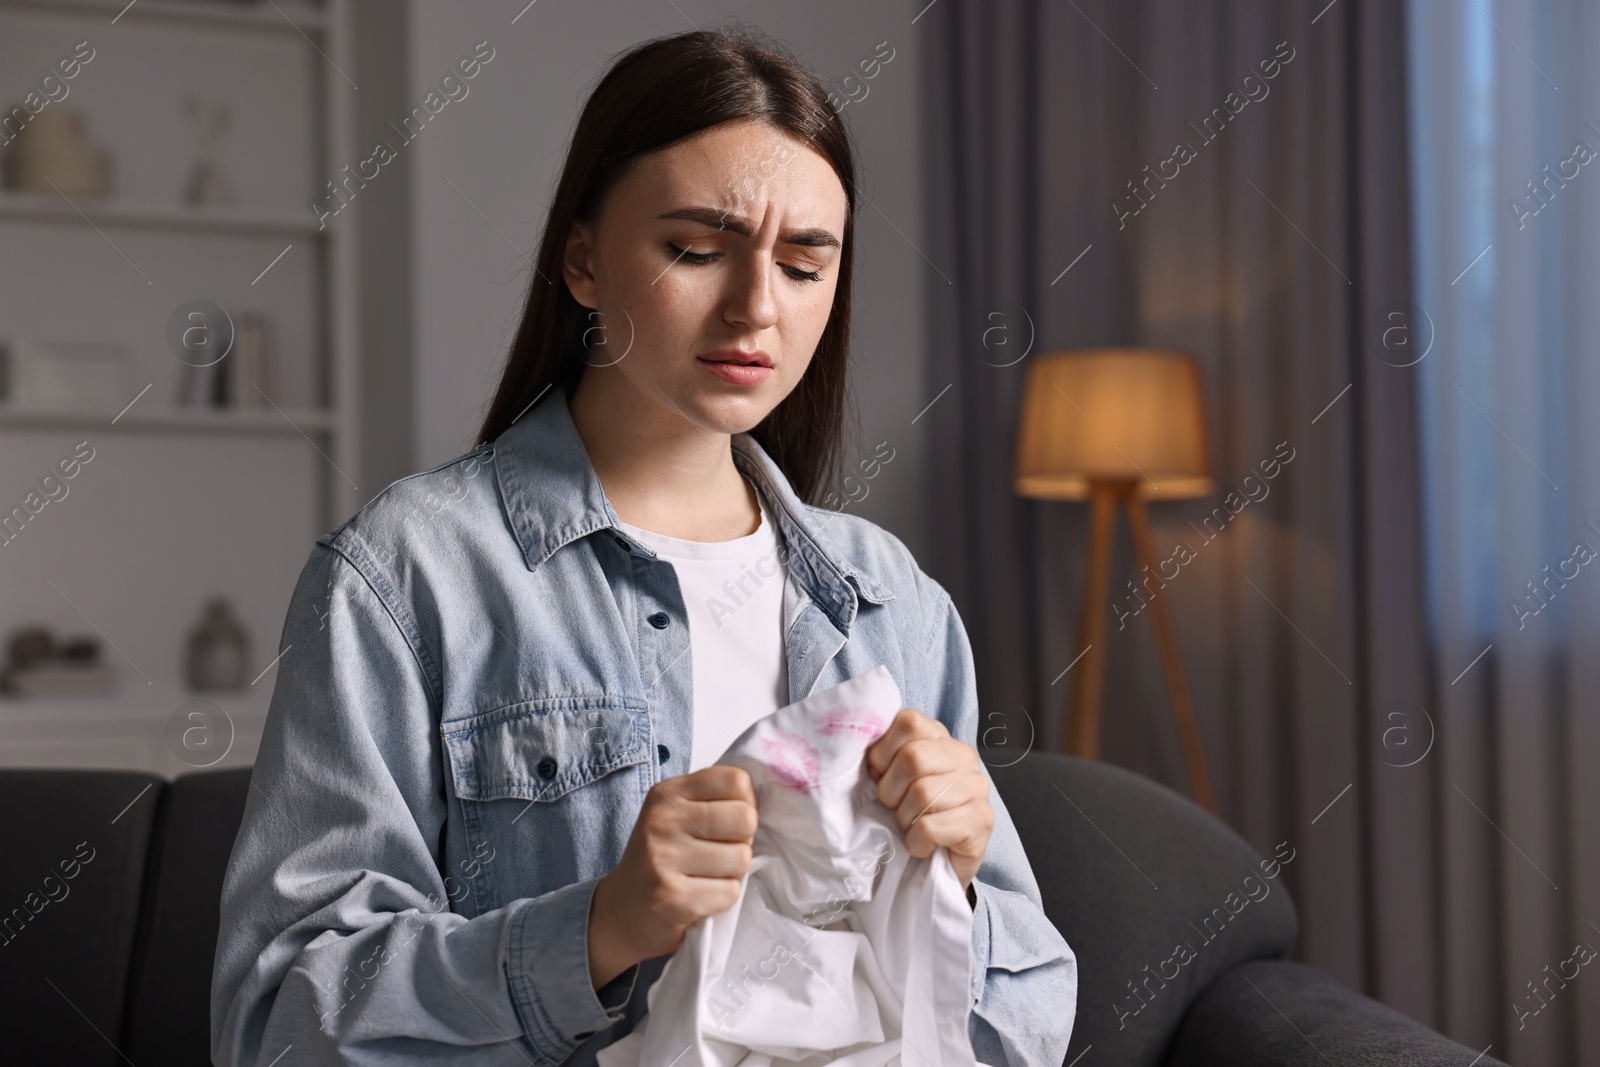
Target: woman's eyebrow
(814, 237)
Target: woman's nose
(753, 301)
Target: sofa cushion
(75, 844)
(169, 1002)
(1155, 896)
(1283, 1014)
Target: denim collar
(552, 497)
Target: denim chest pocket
(549, 790)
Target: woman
(485, 808)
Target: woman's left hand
(936, 787)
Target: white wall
(504, 143)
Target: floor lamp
(1117, 427)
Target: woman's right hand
(686, 859)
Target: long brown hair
(654, 95)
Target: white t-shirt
(733, 594)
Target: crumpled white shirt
(842, 948)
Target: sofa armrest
(1286, 1014)
(1156, 897)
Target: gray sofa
(111, 881)
(1128, 870)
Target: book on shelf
(242, 379)
(40, 374)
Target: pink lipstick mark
(792, 760)
(848, 720)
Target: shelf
(137, 701)
(51, 208)
(177, 420)
(134, 729)
(287, 17)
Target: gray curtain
(1508, 267)
(1278, 254)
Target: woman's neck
(659, 471)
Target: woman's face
(724, 245)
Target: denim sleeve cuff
(980, 941)
(617, 992)
(547, 971)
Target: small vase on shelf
(219, 649)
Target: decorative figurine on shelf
(219, 649)
(208, 184)
(42, 665)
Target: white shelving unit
(180, 503)
(33, 207)
(280, 18)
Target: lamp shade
(1113, 415)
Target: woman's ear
(575, 265)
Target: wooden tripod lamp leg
(1082, 735)
(1166, 640)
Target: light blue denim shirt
(481, 677)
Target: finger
(683, 899)
(902, 728)
(714, 859)
(711, 896)
(683, 847)
(720, 781)
(724, 820)
(714, 820)
(919, 757)
(934, 794)
(962, 831)
(908, 723)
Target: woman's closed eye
(701, 258)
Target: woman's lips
(737, 373)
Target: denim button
(662, 753)
(547, 767)
(623, 541)
(659, 620)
